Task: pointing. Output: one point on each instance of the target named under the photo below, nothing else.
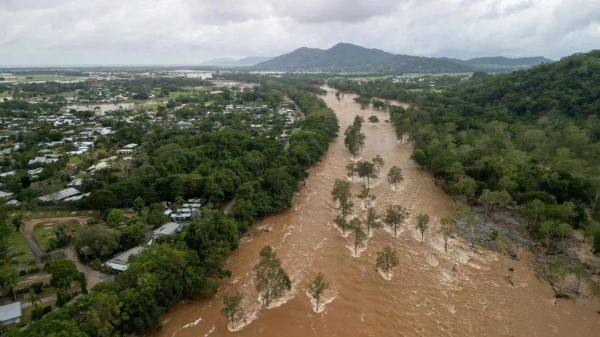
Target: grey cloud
(191, 31)
(319, 11)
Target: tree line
(260, 174)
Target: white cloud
(191, 31)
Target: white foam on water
(210, 331)
(358, 251)
(326, 298)
(385, 277)
(194, 323)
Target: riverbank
(432, 293)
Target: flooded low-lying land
(431, 293)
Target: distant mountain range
(229, 62)
(352, 58)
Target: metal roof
(10, 311)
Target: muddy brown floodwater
(432, 293)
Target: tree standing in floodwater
(394, 176)
(232, 309)
(379, 163)
(447, 229)
(422, 224)
(394, 217)
(387, 259)
(317, 287)
(372, 220)
(359, 234)
(271, 279)
(342, 195)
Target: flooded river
(432, 293)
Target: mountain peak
(349, 57)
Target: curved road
(93, 277)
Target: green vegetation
(387, 260)
(50, 235)
(232, 309)
(317, 287)
(271, 280)
(174, 164)
(521, 138)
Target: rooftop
(166, 229)
(121, 261)
(10, 311)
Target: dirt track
(93, 277)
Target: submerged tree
(448, 227)
(232, 309)
(359, 234)
(395, 216)
(554, 272)
(351, 170)
(366, 170)
(387, 260)
(342, 223)
(366, 196)
(422, 224)
(394, 176)
(342, 194)
(464, 213)
(271, 279)
(379, 163)
(373, 119)
(317, 287)
(372, 220)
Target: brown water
(432, 293)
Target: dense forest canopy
(517, 137)
(259, 172)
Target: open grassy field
(43, 78)
(44, 231)
(19, 247)
(54, 213)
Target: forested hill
(529, 138)
(352, 58)
(501, 63)
(568, 87)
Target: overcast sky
(79, 32)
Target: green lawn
(54, 213)
(19, 247)
(38, 78)
(45, 231)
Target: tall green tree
(317, 287)
(422, 224)
(9, 277)
(447, 229)
(271, 280)
(342, 195)
(372, 221)
(387, 260)
(379, 163)
(64, 273)
(359, 234)
(138, 205)
(367, 171)
(232, 309)
(395, 215)
(394, 176)
(115, 218)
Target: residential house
(10, 314)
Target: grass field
(46, 78)
(45, 231)
(19, 247)
(54, 213)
